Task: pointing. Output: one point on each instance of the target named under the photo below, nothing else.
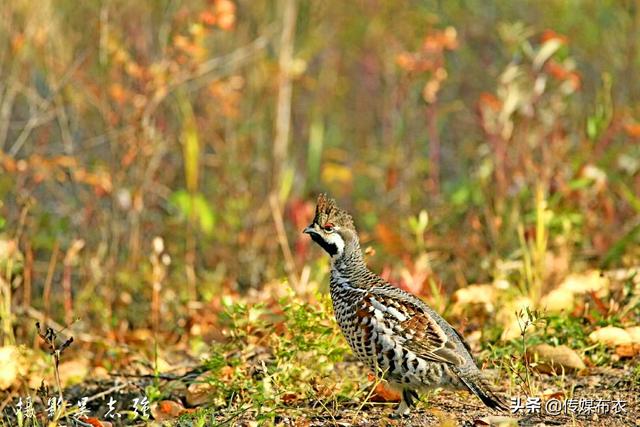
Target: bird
(393, 332)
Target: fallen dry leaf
(226, 372)
(551, 394)
(558, 300)
(93, 421)
(628, 350)
(552, 359)
(74, 371)
(382, 392)
(199, 392)
(290, 398)
(582, 283)
(13, 365)
(507, 318)
(611, 336)
(496, 420)
(634, 333)
(485, 295)
(167, 410)
(445, 419)
(563, 297)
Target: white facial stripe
(336, 239)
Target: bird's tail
(479, 386)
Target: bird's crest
(328, 212)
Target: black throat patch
(329, 247)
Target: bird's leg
(406, 403)
(402, 410)
(409, 395)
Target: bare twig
(80, 336)
(28, 275)
(5, 109)
(42, 104)
(379, 379)
(69, 260)
(8, 399)
(289, 263)
(47, 283)
(232, 60)
(283, 114)
(107, 392)
(49, 336)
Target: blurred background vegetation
(473, 141)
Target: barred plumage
(390, 330)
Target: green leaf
(190, 142)
(204, 213)
(592, 127)
(579, 183)
(195, 207)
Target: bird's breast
(375, 334)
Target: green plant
(534, 251)
(50, 338)
(518, 362)
(418, 225)
(270, 370)
(636, 376)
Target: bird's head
(333, 229)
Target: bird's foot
(406, 404)
(401, 412)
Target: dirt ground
(462, 409)
(442, 408)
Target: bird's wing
(415, 328)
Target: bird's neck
(350, 260)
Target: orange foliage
(226, 14)
(551, 35)
(208, 18)
(118, 93)
(94, 422)
(632, 129)
(560, 72)
(430, 59)
(43, 168)
(391, 240)
(17, 41)
(382, 392)
(438, 41)
(222, 14)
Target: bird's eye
(328, 227)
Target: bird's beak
(310, 230)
